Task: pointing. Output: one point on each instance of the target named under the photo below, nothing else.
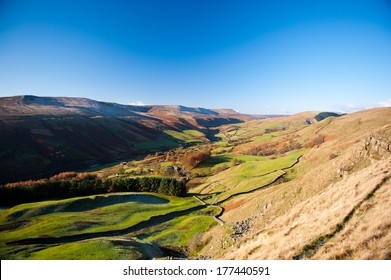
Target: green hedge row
(39, 191)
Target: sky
(256, 57)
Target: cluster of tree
(175, 155)
(64, 176)
(72, 176)
(162, 185)
(192, 160)
(184, 159)
(80, 185)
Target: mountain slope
(333, 204)
(40, 136)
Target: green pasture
(252, 174)
(163, 142)
(92, 250)
(239, 185)
(80, 215)
(186, 136)
(179, 231)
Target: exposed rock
(239, 229)
(375, 147)
(378, 146)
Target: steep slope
(40, 136)
(334, 204)
(29, 105)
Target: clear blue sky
(253, 56)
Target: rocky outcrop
(375, 147)
(378, 146)
(240, 228)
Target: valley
(43, 136)
(306, 186)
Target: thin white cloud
(352, 107)
(138, 103)
(349, 108)
(386, 103)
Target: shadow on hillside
(89, 203)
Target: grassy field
(162, 142)
(240, 185)
(224, 161)
(81, 215)
(92, 250)
(186, 136)
(172, 139)
(251, 173)
(180, 231)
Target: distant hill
(324, 115)
(40, 136)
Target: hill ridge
(41, 136)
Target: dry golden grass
(367, 235)
(288, 234)
(289, 216)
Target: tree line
(61, 187)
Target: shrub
(332, 156)
(63, 176)
(317, 141)
(236, 161)
(191, 161)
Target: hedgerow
(59, 187)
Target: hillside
(333, 203)
(314, 185)
(41, 136)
